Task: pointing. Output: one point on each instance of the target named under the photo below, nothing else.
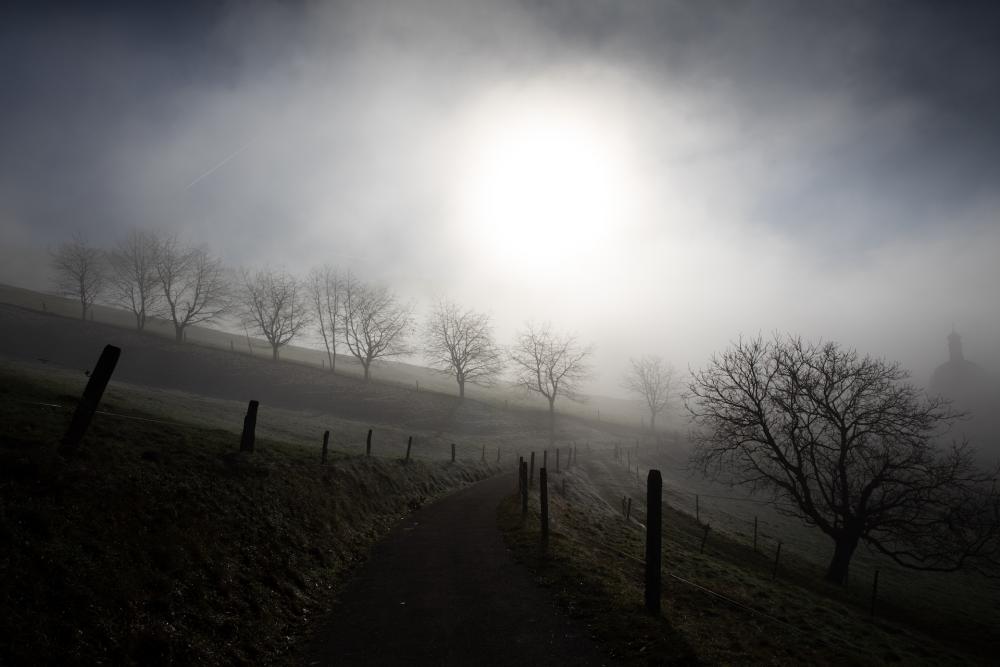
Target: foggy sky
(828, 169)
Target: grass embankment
(161, 543)
(594, 565)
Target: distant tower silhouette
(955, 347)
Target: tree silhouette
(549, 364)
(460, 343)
(845, 444)
(133, 278)
(193, 283)
(651, 378)
(80, 272)
(375, 324)
(273, 303)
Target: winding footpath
(442, 589)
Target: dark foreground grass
(594, 565)
(162, 544)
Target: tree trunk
(367, 373)
(552, 420)
(652, 422)
(461, 388)
(274, 351)
(83, 314)
(179, 333)
(843, 551)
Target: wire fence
(771, 527)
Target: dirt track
(441, 589)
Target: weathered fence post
(543, 488)
(777, 558)
(91, 397)
(498, 455)
(697, 508)
(409, 446)
(531, 471)
(524, 488)
(326, 444)
(654, 543)
(453, 452)
(368, 443)
(248, 437)
(874, 593)
(628, 509)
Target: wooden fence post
(531, 471)
(777, 557)
(409, 445)
(654, 543)
(453, 452)
(92, 393)
(326, 444)
(524, 488)
(543, 488)
(498, 455)
(628, 509)
(368, 443)
(248, 437)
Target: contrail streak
(218, 166)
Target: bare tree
(80, 272)
(193, 284)
(374, 323)
(848, 446)
(134, 282)
(326, 292)
(460, 343)
(549, 364)
(274, 304)
(651, 378)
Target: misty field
(167, 442)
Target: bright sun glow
(544, 184)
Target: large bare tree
(325, 288)
(460, 343)
(846, 444)
(193, 283)
(375, 324)
(549, 364)
(81, 272)
(651, 378)
(133, 277)
(274, 304)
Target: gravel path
(441, 589)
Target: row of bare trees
(156, 275)
(149, 275)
